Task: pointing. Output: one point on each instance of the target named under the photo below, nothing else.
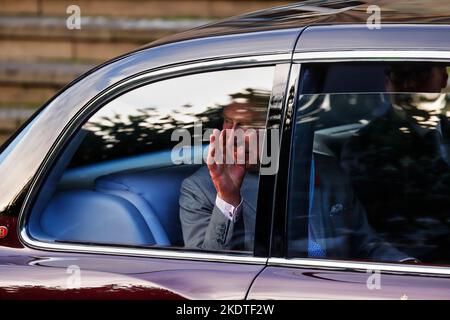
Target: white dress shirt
(231, 212)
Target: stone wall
(139, 8)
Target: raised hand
(227, 173)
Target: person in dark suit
(399, 164)
(218, 204)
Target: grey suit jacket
(205, 226)
(338, 221)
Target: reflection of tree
(147, 130)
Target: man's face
(421, 101)
(247, 118)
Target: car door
(347, 223)
(102, 218)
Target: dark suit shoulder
(387, 133)
(375, 130)
(330, 173)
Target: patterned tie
(315, 250)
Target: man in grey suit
(218, 203)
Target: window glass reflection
(119, 181)
(143, 120)
(379, 177)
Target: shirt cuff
(229, 211)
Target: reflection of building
(39, 54)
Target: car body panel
(318, 283)
(34, 274)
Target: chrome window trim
(359, 266)
(145, 78)
(141, 252)
(366, 55)
(371, 55)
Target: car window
(370, 175)
(135, 173)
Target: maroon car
(352, 199)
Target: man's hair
(409, 77)
(257, 110)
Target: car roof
(397, 37)
(320, 13)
